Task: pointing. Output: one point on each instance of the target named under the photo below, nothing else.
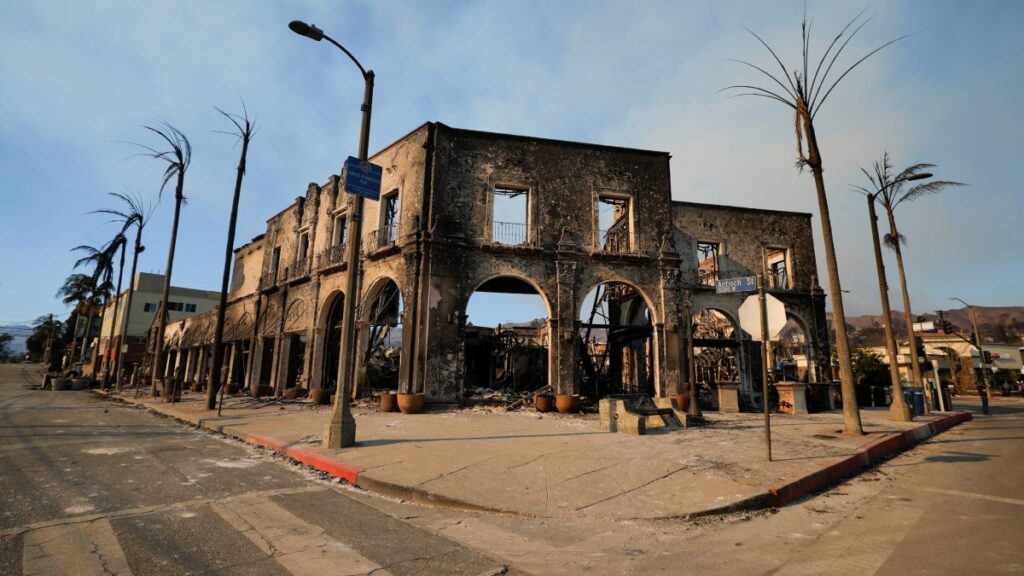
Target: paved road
(93, 487)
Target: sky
(81, 79)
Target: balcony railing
(382, 237)
(777, 279)
(707, 277)
(268, 280)
(617, 241)
(300, 269)
(509, 233)
(332, 255)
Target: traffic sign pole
(762, 300)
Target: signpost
(763, 317)
(361, 178)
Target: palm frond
(817, 92)
(776, 57)
(765, 72)
(817, 69)
(819, 104)
(926, 189)
(893, 241)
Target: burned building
(464, 211)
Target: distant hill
(20, 332)
(1004, 324)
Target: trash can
(918, 402)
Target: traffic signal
(987, 357)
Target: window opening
(707, 263)
(777, 277)
(340, 222)
(613, 221)
(303, 246)
(509, 218)
(390, 221)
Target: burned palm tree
(805, 91)
(101, 262)
(177, 157)
(889, 189)
(76, 290)
(135, 213)
(244, 130)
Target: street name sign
(362, 178)
(733, 285)
(750, 316)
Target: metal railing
(617, 241)
(332, 255)
(509, 233)
(778, 279)
(707, 277)
(382, 237)
(301, 268)
(268, 280)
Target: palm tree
(890, 189)
(136, 214)
(805, 92)
(101, 261)
(244, 132)
(77, 290)
(177, 159)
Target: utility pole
(981, 356)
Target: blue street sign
(733, 285)
(361, 178)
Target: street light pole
(981, 353)
(340, 430)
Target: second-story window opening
(389, 218)
(777, 272)
(614, 214)
(510, 216)
(275, 261)
(303, 246)
(707, 263)
(340, 223)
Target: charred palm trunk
(851, 413)
(218, 335)
(113, 321)
(158, 353)
(126, 321)
(915, 366)
(898, 410)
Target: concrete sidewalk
(563, 466)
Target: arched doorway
(715, 358)
(506, 341)
(792, 356)
(616, 352)
(380, 337)
(332, 342)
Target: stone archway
(506, 338)
(381, 336)
(617, 345)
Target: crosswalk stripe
(84, 548)
(300, 547)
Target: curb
(776, 496)
(866, 456)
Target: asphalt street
(95, 487)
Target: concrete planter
(411, 403)
(544, 402)
(567, 403)
(262, 391)
(389, 402)
(79, 384)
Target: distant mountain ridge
(1003, 324)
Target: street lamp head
(920, 176)
(307, 30)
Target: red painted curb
(867, 455)
(325, 464)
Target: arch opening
(332, 342)
(381, 335)
(615, 342)
(715, 347)
(506, 338)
